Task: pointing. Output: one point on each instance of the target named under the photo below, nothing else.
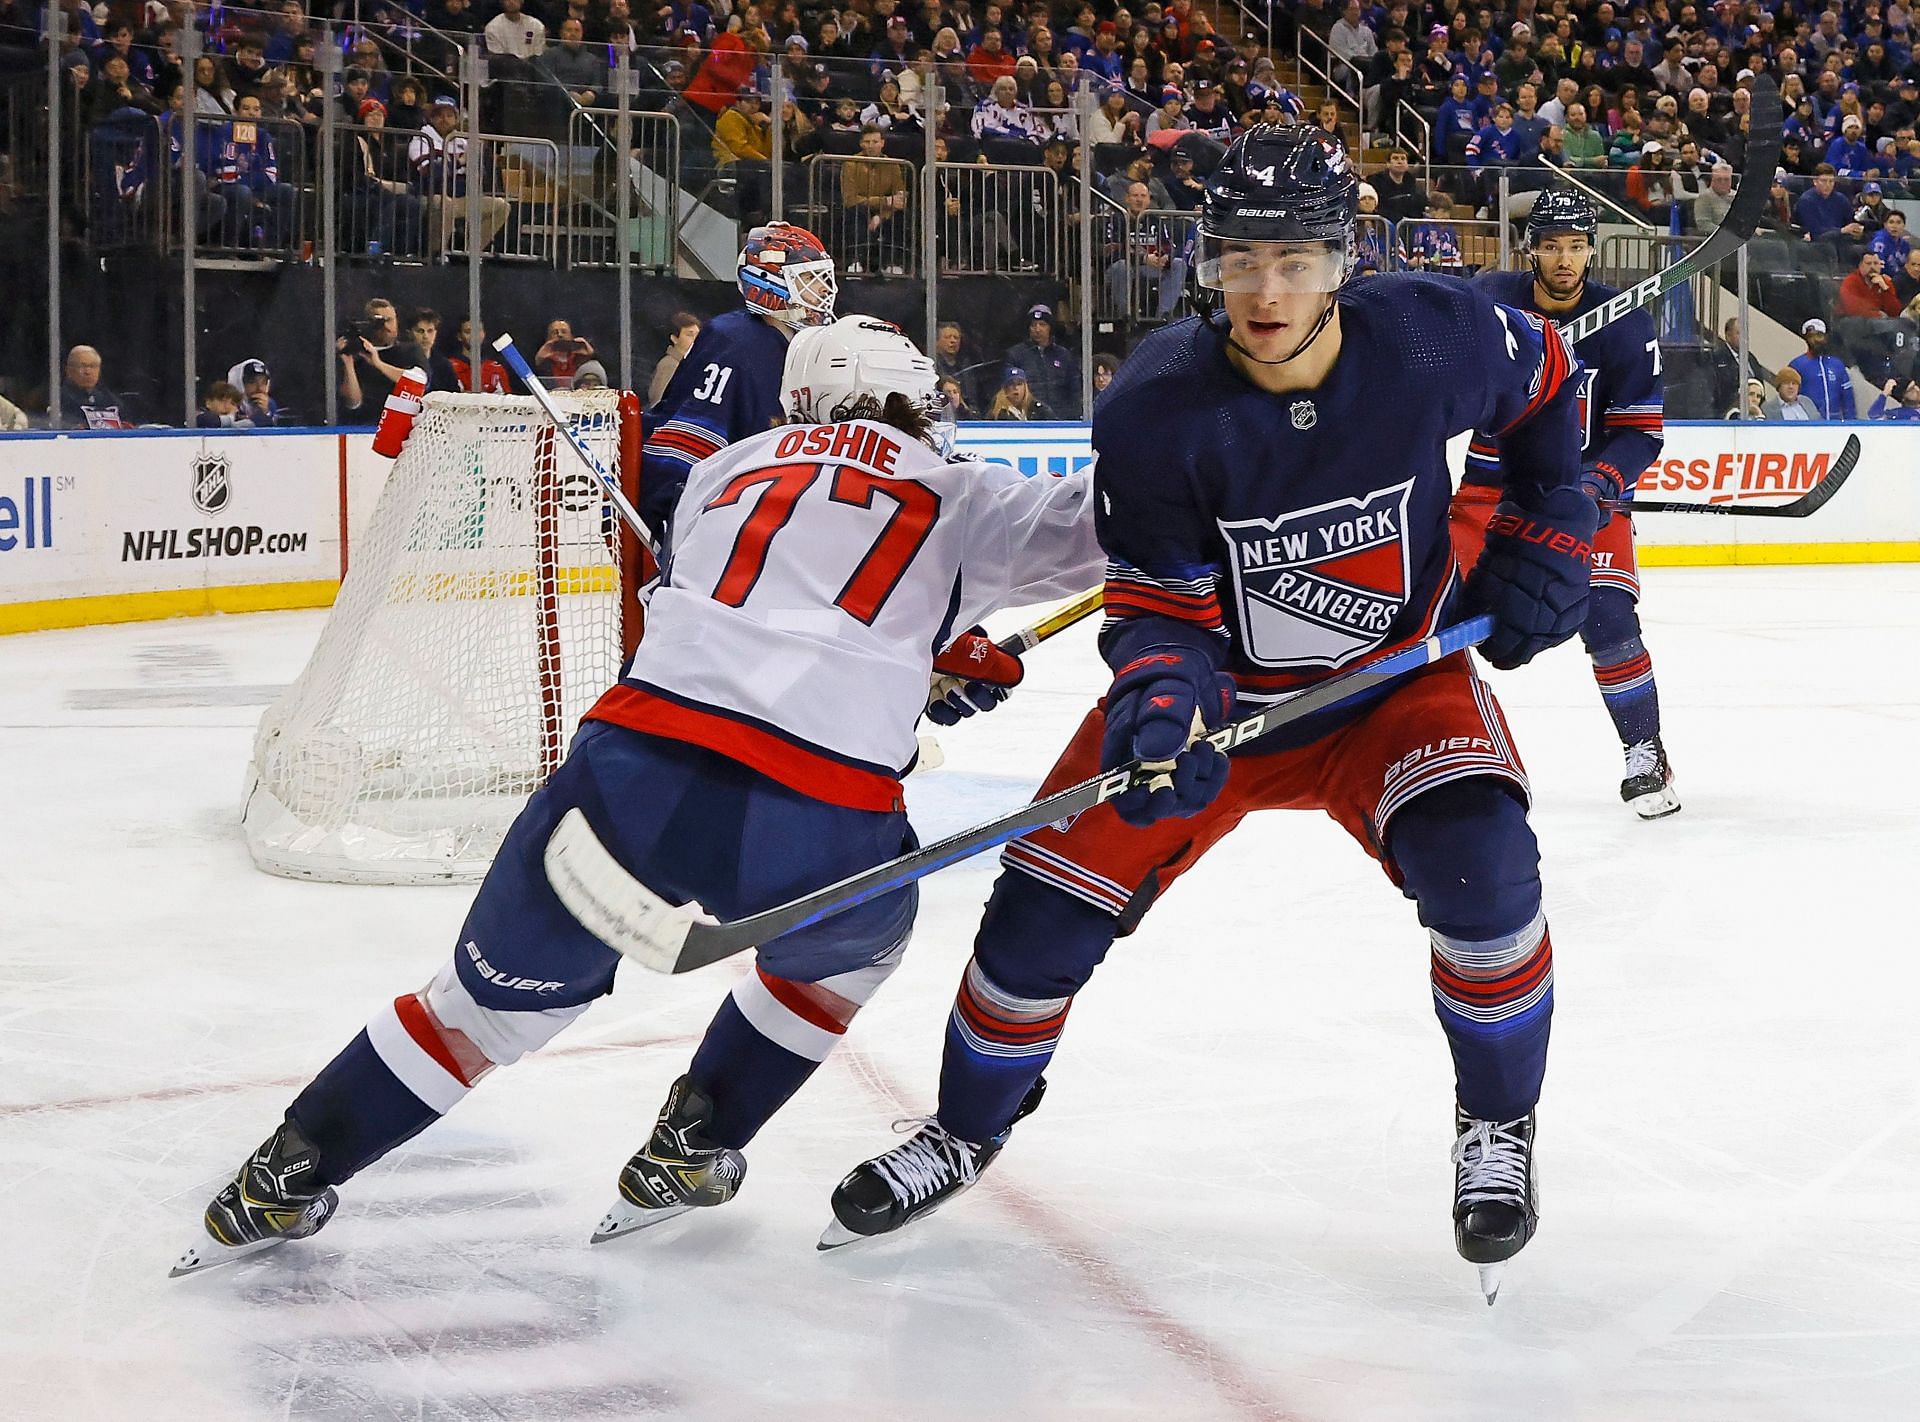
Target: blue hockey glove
(971, 675)
(1161, 698)
(1602, 483)
(1533, 575)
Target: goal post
(490, 602)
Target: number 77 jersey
(814, 572)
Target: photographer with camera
(562, 355)
(372, 359)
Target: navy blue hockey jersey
(1309, 529)
(727, 389)
(1621, 409)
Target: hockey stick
(615, 494)
(1027, 638)
(1810, 502)
(1743, 217)
(1015, 643)
(672, 938)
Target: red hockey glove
(971, 675)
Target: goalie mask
(847, 371)
(786, 274)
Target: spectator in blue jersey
(1208, 113)
(1496, 146)
(1105, 58)
(1453, 125)
(1824, 214)
(1824, 379)
(1897, 400)
(1434, 245)
(1143, 255)
(255, 383)
(1891, 243)
(1486, 95)
(1372, 235)
(119, 41)
(1048, 367)
(1849, 153)
(245, 171)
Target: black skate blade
(209, 1253)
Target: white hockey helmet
(847, 370)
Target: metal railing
(380, 211)
(1460, 246)
(1404, 113)
(1622, 213)
(872, 222)
(999, 221)
(1338, 75)
(650, 167)
(1684, 314)
(1144, 261)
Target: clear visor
(813, 288)
(1279, 268)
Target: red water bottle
(396, 421)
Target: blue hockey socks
(1467, 857)
(997, 1046)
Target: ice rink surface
(1234, 1203)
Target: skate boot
(276, 1196)
(1496, 1200)
(677, 1170)
(913, 1179)
(1648, 788)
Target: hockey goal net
(486, 607)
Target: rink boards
(127, 526)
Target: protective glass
(942, 432)
(1234, 264)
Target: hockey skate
(1648, 788)
(913, 1179)
(677, 1170)
(275, 1196)
(1496, 1199)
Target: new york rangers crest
(212, 483)
(1321, 586)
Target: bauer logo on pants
(1321, 586)
(212, 483)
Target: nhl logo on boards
(1303, 415)
(1323, 586)
(212, 483)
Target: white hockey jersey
(814, 573)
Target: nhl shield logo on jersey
(1302, 413)
(212, 483)
(1321, 586)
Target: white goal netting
(481, 615)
